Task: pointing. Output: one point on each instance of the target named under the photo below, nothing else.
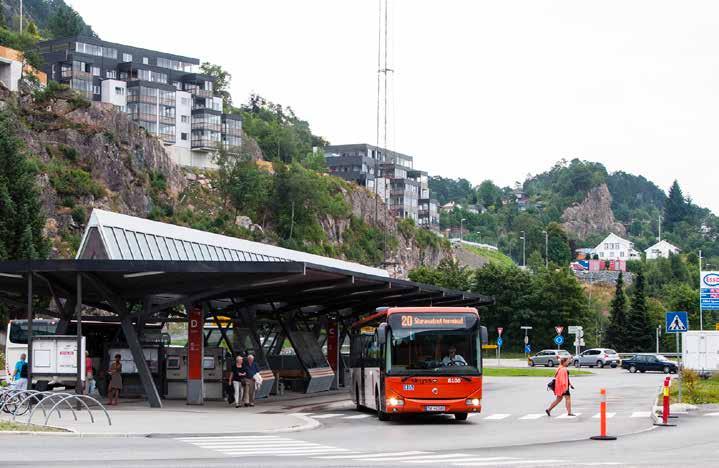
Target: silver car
(599, 357)
(549, 357)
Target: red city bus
(418, 360)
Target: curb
(309, 424)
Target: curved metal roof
(126, 237)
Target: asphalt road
(507, 434)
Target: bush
(71, 181)
(79, 215)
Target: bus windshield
(18, 330)
(433, 344)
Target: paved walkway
(135, 418)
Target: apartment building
(13, 68)
(164, 93)
(392, 175)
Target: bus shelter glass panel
(111, 243)
(122, 242)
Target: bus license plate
(434, 408)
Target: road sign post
(527, 348)
(500, 342)
(559, 339)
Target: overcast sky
(482, 89)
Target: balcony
(76, 74)
(204, 93)
(205, 144)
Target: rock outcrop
(593, 216)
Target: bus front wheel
(381, 415)
(460, 416)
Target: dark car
(650, 362)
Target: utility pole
(546, 249)
(701, 307)
(21, 33)
(292, 219)
(524, 248)
(461, 228)
(660, 233)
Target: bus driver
(453, 359)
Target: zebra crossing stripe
(609, 415)
(712, 414)
(328, 415)
(509, 462)
(532, 416)
(357, 416)
(566, 416)
(641, 414)
(458, 461)
(496, 417)
(372, 456)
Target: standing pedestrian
(20, 373)
(236, 379)
(89, 375)
(115, 380)
(561, 388)
(248, 383)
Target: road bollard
(665, 405)
(603, 418)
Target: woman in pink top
(561, 388)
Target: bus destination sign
(432, 321)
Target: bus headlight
(473, 402)
(395, 402)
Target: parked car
(599, 357)
(650, 362)
(549, 357)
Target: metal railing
(19, 402)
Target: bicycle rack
(43, 399)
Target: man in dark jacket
(250, 368)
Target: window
(95, 89)
(145, 60)
(119, 91)
(621, 254)
(112, 74)
(183, 136)
(95, 71)
(185, 118)
(126, 57)
(185, 101)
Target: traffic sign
(559, 340)
(500, 341)
(677, 322)
(527, 349)
(574, 329)
(526, 338)
(559, 329)
(500, 330)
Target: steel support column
(78, 318)
(30, 317)
(153, 398)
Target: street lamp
(479, 237)
(461, 228)
(524, 248)
(546, 249)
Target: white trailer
(700, 351)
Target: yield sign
(500, 330)
(559, 329)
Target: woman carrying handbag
(561, 386)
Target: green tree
(21, 217)
(676, 207)
(640, 332)
(221, 86)
(247, 186)
(65, 21)
(535, 262)
(488, 193)
(558, 245)
(615, 336)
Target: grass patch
(528, 372)
(492, 256)
(14, 426)
(696, 390)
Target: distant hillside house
(661, 249)
(12, 67)
(584, 254)
(616, 248)
(449, 207)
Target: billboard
(56, 355)
(709, 290)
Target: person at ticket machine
(453, 359)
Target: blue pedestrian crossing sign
(677, 322)
(559, 340)
(527, 349)
(500, 341)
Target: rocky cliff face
(593, 216)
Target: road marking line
(300, 414)
(532, 416)
(508, 462)
(357, 416)
(609, 415)
(496, 417)
(374, 455)
(447, 458)
(641, 414)
(457, 460)
(190, 439)
(566, 416)
(325, 416)
(283, 454)
(255, 446)
(712, 414)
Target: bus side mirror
(484, 335)
(382, 334)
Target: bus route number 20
(406, 321)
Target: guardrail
(18, 402)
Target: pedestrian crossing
(278, 446)
(496, 417)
